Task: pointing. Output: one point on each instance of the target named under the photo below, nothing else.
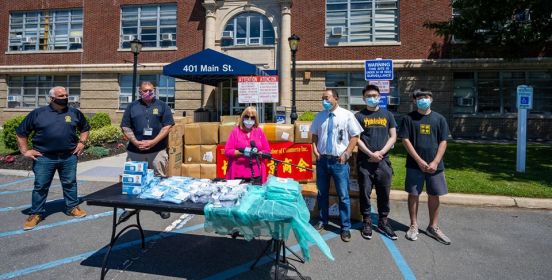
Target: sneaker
(319, 226)
(346, 236)
(386, 230)
(32, 221)
(436, 233)
(412, 233)
(366, 231)
(77, 212)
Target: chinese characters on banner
(257, 89)
(298, 154)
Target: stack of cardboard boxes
(200, 147)
(176, 145)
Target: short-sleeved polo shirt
(139, 115)
(55, 131)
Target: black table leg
(115, 236)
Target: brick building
(84, 45)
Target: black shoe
(319, 226)
(346, 236)
(126, 215)
(164, 215)
(366, 231)
(386, 230)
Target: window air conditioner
(14, 98)
(337, 31)
(227, 34)
(393, 100)
(28, 40)
(464, 101)
(75, 40)
(128, 99)
(167, 37)
(127, 38)
(74, 98)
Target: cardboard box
(208, 171)
(183, 120)
(229, 120)
(175, 135)
(302, 134)
(309, 189)
(334, 208)
(175, 161)
(278, 132)
(224, 132)
(208, 154)
(192, 154)
(354, 190)
(191, 170)
(201, 133)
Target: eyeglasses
(147, 91)
(249, 117)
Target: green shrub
(10, 138)
(97, 151)
(99, 120)
(107, 134)
(307, 116)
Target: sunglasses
(249, 117)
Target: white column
(285, 56)
(209, 42)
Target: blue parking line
(57, 224)
(25, 206)
(83, 256)
(16, 182)
(31, 189)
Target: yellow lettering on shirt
(375, 122)
(68, 119)
(425, 129)
(155, 111)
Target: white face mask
(248, 123)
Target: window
(155, 26)
(163, 84)
(349, 87)
(45, 30)
(248, 29)
(361, 21)
(32, 91)
(495, 92)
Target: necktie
(329, 139)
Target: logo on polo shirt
(68, 119)
(155, 111)
(425, 129)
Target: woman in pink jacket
(246, 137)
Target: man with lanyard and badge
(374, 166)
(335, 133)
(146, 123)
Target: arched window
(248, 29)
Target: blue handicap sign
(280, 119)
(378, 70)
(524, 100)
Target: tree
(497, 28)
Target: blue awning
(210, 67)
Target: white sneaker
(412, 233)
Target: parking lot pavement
(487, 243)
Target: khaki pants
(157, 161)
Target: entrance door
(229, 104)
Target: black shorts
(435, 183)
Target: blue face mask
(326, 104)
(423, 103)
(372, 101)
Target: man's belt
(329, 157)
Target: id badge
(148, 131)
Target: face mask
(326, 104)
(148, 96)
(248, 123)
(423, 103)
(372, 101)
(61, 102)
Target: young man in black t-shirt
(374, 168)
(424, 134)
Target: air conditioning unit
(74, 98)
(128, 98)
(75, 40)
(464, 101)
(227, 34)
(167, 37)
(28, 40)
(127, 38)
(14, 98)
(337, 31)
(393, 100)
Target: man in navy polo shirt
(56, 146)
(146, 123)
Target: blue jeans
(44, 168)
(325, 170)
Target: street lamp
(293, 45)
(135, 48)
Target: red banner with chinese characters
(298, 154)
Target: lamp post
(293, 45)
(135, 48)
